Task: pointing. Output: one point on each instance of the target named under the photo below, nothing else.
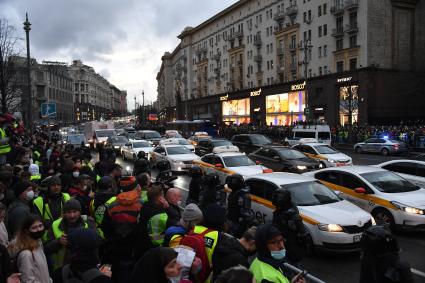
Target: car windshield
(178, 150)
(389, 182)
(221, 143)
(291, 154)
(237, 161)
(105, 133)
(311, 193)
(260, 139)
(325, 149)
(119, 139)
(141, 144)
(184, 142)
(152, 135)
(76, 138)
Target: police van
(320, 133)
(333, 223)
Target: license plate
(357, 238)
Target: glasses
(275, 242)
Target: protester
(4, 235)
(28, 250)
(81, 192)
(20, 208)
(237, 274)
(174, 199)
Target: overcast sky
(122, 39)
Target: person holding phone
(268, 265)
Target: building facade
(267, 61)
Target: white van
(321, 133)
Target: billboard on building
(236, 111)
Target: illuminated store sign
(343, 80)
(256, 93)
(224, 98)
(258, 109)
(298, 86)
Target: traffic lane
(412, 246)
(370, 159)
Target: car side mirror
(218, 165)
(276, 157)
(257, 162)
(360, 190)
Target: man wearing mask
(20, 208)
(57, 236)
(174, 199)
(50, 205)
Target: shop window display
(348, 103)
(236, 111)
(285, 108)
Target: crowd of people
(71, 215)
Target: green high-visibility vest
(59, 256)
(99, 213)
(44, 209)
(156, 227)
(263, 271)
(4, 142)
(35, 177)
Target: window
(340, 44)
(319, 12)
(271, 64)
(325, 70)
(261, 189)
(352, 182)
(325, 30)
(320, 71)
(208, 159)
(353, 64)
(325, 8)
(325, 51)
(402, 167)
(305, 17)
(309, 34)
(320, 31)
(339, 66)
(353, 41)
(320, 52)
(329, 176)
(309, 16)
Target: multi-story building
(123, 103)
(92, 93)
(266, 61)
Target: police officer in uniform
(195, 173)
(141, 165)
(212, 191)
(239, 211)
(287, 218)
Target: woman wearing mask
(268, 265)
(20, 208)
(158, 265)
(31, 261)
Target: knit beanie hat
(214, 216)
(53, 180)
(33, 169)
(72, 204)
(192, 213)
(20, 187)
(127, 183)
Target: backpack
(197, 243)
(88, 276)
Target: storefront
(348, 95)
(286, 108)
(236, 111)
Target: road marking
(417, 272)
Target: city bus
(188, 128)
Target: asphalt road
(346, 267)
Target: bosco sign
(298, 86)
(255, 93)
(224, 98)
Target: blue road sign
(48, 110)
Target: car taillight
(396, 146)
(267, 171)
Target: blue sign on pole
(48, 110)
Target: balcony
(258, 58)
(292, 10)
(351, 5)
(292, 47)
(337, 10)
(257, 41)
(217, 57)
(308, 21)
(279, 16)
(293, 67)
(338, 32)
(217, 71)
(351, 28)
(280, 51)
(238, 34)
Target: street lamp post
(306, 46)
(143, 107)
(27, 28)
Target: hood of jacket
(128, 198)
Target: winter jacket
(174, 214)
(33, 266)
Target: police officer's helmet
(235, 182)
(141, 154)
(195, 171)
(281, 197)
(378, 240)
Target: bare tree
(9, 52)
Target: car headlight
(373, 221)
(116, 147)
(331, 160)
(320, 165)
(64, 141)
(408, 209)
(87, 144)
(301, 167)
(330, 227)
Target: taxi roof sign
(308, 140)
(201, 134)
(225, 148)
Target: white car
(133, 147)
(229, 162)
(178, 156)
(179, 141)
(412, 170)
(390, 198)
(325, 154)
(332, 223)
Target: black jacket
(228, 253)
(141, 166)
(194, 190)
(174, 215)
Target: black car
(249, 143)
(285, 159)
(116, 143)
(152, 136)
(207, 145)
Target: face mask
(279, 255)
(29, 195)
(76, 174)
(37, 235)
(174, 279)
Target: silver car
(384, 146)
